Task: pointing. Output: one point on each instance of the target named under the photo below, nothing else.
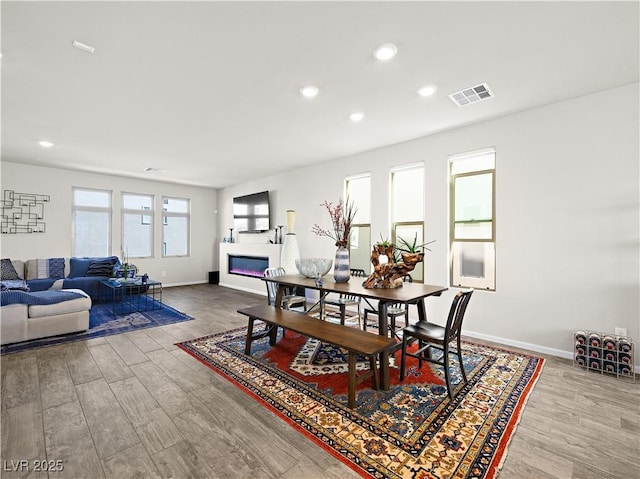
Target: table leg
(383, 330)
(279, 295)
(247, 345)
(322, 307)
(273, 334)
(422, 312)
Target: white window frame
(168, 214)
(132, 211)
(95, 209)
(484, 249)
(361, 225)
(417, 275)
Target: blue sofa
(70, 273)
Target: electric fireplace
(244, 265)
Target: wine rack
(605, 353)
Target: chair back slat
(350, 297)
(456, 314)
(272, 286)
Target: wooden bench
(355, 341)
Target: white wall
(57, 240)
(567, 219)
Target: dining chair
(344, 300)
(289, 300)
(357, 272)
(394, 310)
(432, 336)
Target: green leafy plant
(384, 242)
(413, 247)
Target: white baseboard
(530, 346)
(187, 283)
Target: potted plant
(126, 270)
(342, 216)
(389, 271)
(383, 251)
(413, 248)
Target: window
(407, 210)
(176, 219)
(91, 222)
(137, 225)
(473, 225)
(358, 190)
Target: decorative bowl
(309, 267)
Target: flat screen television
(251, 213)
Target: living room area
(146, 403)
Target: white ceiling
(208, 91)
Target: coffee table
(130, 296)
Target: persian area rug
(412, 430)
(102, 322)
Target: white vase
(290, 249)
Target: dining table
(408, 293)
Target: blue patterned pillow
(7, 271)
(56, 268)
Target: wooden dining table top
(407, 293)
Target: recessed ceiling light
(427, 90)
(309, 91)
(356, 116)
(385, 52)
(46, 144)
(83, 46)
(151, 169)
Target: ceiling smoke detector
(470, 95)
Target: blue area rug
(102, 322)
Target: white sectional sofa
(22, 322)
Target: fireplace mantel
(246, 283)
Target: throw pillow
(56, 268)
(101, 268)
(7, 271)
(79, 266)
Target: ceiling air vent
(473, 94)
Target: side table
(130, 296)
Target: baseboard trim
(187, 283)
(530, 346)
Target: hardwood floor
(134, 405)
